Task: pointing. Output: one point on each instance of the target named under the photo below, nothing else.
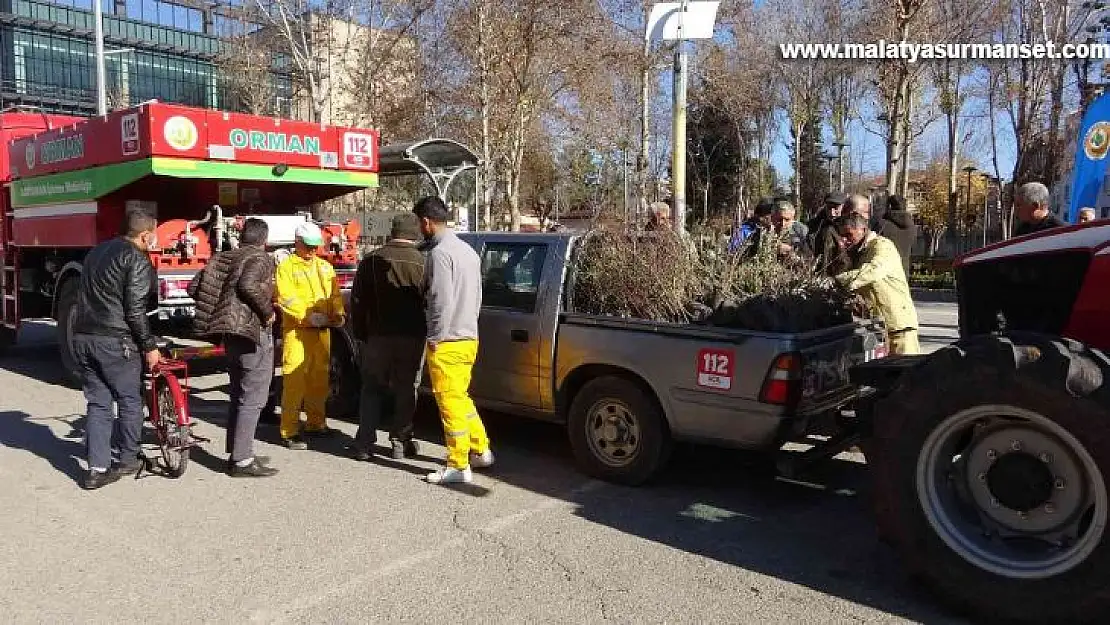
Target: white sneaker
(448, 475)
(481, 461)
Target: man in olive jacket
(234, 296)
(879, 278)
(387, 316)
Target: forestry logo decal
(181, 133)
(1097, 142)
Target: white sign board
(697, 22)
(463, 224)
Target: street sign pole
(679, 21)
(678, 149)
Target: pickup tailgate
(827, 365)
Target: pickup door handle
(519, 336)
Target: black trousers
(112, 373)
(391, 368)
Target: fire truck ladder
(9, 273)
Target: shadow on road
(19, 430)
(718, 504)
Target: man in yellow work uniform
(878, 276)
(311, 304)
(452, 300)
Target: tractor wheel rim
(613, 433)
(1012, 492)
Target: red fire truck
(67, 182)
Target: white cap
(309, 233)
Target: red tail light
(173, 288)
(346, 280)
(783, 384)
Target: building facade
(155, 50)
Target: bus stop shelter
(442, 160)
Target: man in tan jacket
(879, 277)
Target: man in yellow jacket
(308, 294)
(880, 278)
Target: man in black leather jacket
(111, 342)
(235, 307)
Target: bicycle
(166, 390)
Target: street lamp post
(969, 170)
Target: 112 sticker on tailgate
(715, 369)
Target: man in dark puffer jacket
(235, 306)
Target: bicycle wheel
(174, 439)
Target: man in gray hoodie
(453, 299)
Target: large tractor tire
(67, 317)
(990, 464)
(618, 431)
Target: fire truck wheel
(990, 464)
(67, 316)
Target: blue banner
(1090, 157)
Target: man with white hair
(860, 205)
(1031, 207)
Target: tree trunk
(487, 156)
(907, 145)
(645, 122)
(798, 128)
(1004, 223)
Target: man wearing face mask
(111, 343)
(311, 303)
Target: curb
(934, 295)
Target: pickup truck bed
(627, 388)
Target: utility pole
(678, 147)
(101, 78)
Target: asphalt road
(332, 540)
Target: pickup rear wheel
(618, 432)
(991, 464)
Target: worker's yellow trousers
(305, 365)
(449, 369)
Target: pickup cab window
(511, 275)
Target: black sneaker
(254, 469)
(405, 449)
(130, 468)
(360, 453)
(100, 479)
(296, 443)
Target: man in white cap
(308, 294)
